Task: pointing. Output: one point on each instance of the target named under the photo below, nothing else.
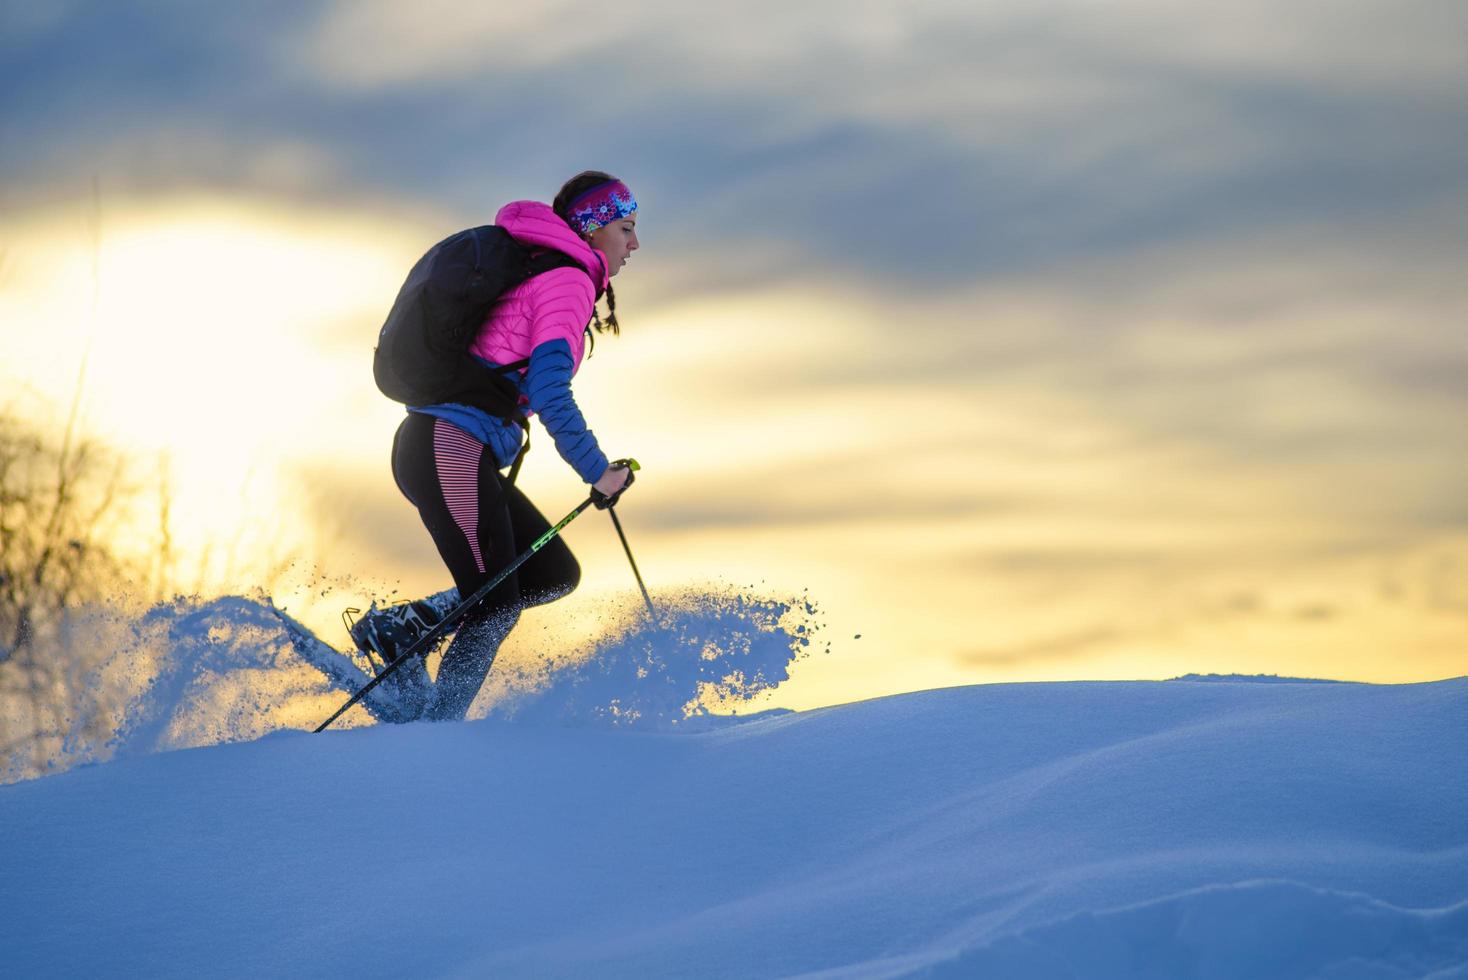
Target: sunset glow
(1144, 380)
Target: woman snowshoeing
(447, 458)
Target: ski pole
(617, 522)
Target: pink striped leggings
(479, 523)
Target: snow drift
(1154, 829)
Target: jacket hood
(535, 223)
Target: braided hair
(570, 190)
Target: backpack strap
(538, 263)
(550, 259)
(524, 448)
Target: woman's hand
(612, 482)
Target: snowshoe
(384, 634)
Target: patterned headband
(601, 205)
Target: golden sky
(1029, 344)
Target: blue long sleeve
(547, 384)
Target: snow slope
(1151, 829)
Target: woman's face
(616, 241)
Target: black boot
(388, 632)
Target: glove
(602, 500)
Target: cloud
(1015, 135)
(381, 43)
(1065, 646)
(932, 143)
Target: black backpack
(422, 355)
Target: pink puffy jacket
(554, 305)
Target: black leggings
(480, 523)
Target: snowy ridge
(1252, 679)
(1155, 829)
